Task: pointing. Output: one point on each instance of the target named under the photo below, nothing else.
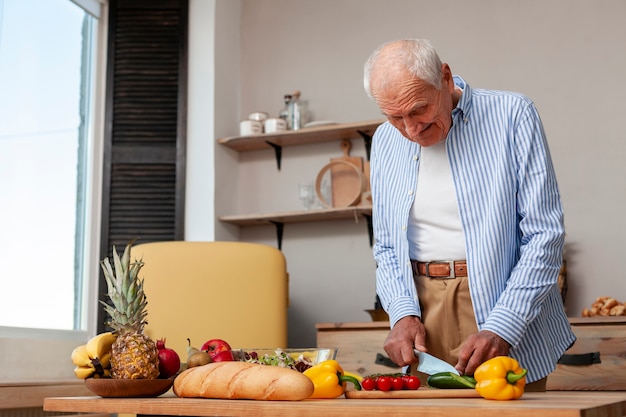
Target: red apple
(215, 346)
(223, 356)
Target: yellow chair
(234, 291)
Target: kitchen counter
(549, 404)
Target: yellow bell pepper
(500, 378)
(329, 380)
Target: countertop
(552, 404)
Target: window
(47, 50)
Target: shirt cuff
(506, 324)
(402, 307)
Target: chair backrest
(235, 291)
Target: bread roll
(243, 380)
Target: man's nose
(412, 127)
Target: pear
(198, 359)
(190, 349)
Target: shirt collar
(465, 102)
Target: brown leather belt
(440, 269)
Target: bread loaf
(243, 380)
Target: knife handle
(385, 361)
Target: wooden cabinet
(603, 340)
(360, 345)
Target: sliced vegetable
(449, 380)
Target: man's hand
(478, 348)
(407, 333)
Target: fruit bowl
(297, 358)
(117, 388)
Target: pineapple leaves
(121, 268)
(125, 291)
(108, 274)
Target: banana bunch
(94, 357)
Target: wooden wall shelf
(311, 135)
(280, 219)
(342, 213)
(327, 133)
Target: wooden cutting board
(417, 393)
(345, 182)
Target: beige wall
(567, 55)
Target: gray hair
(418, 56)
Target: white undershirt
(435, 231)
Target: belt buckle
(450, 263)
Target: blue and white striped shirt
(511, 214)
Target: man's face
(421, 112)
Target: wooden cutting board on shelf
(417, 393)
(345, 180)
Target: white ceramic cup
(250, 127)
(275, 125)
(259, 116)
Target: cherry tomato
(397, 383)
(368, 384)
(412, 382)
(383, 383)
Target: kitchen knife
(429, 364)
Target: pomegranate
(169, 361)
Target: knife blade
(428, 364)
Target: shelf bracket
(278, 152)
(370, 228)
(368, 142)
(279, 233)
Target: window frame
(55, 364)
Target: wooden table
(549, 404)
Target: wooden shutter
(145, 134)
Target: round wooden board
(418, 393)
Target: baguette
(243, 380)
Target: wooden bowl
(116, 388)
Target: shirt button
(415, 157)
(404, 228)
(410, 192)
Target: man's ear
(447, 81)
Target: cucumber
(449, 380)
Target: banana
(106, 374)
(80, 356)
(84, 372)
(100, 344)
(94, 357)
(105, 361)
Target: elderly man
(467, 218)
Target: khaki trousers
(448, 316)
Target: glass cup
(306, 193)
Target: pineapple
(133, 355)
